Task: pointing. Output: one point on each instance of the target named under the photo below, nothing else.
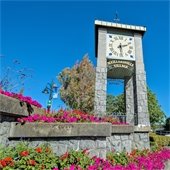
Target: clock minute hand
(125, 45)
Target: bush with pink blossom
(22, 98)
(71, 116)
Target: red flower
(24, 153)
(2, 163)
(38, 150)
(31, 162)
(8, 159)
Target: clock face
(120, 47)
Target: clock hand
(120, 47)
(125, 45)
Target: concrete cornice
(118, 25)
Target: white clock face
(120, 47)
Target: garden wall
(11, 109)
(97, 137)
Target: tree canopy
(115, 104)
(77, 85)
(155, 111)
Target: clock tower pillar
(119, 55)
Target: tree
(167, 124)
(14, 76)
(115, 104)
(77, 85)
(157, 116)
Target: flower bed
(43, 158)
(22, 98)
(64, 116)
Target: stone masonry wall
(4, 132)
(141, 140)
(96, 145)
(100, 91)
(119, 142)
(129, 100)
(140, 84)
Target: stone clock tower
(119, 55)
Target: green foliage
(159, 140)
(77, 85)
(167, 124)
(118, 158)
(157, 116)
(23, 157)
(115, 104)
(28, 158)
(78, 158)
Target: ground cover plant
(68, 116)
(23, 157)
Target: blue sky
(48, 36)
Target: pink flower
(21, 98)
(73, 167)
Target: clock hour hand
(120, 47)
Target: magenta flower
(21, 98)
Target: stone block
(93, 152)
(102, 153)
(142, 128)
(122, 129)
(126, 145)
(87, 144)
(124, 137)
(11, 109)
(101, 144)
(59, 129)
(73, 145)
(117, 137)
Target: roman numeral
(111, 49)
(110, 45)
(120, 37)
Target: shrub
(68, 117)
(159, 140)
